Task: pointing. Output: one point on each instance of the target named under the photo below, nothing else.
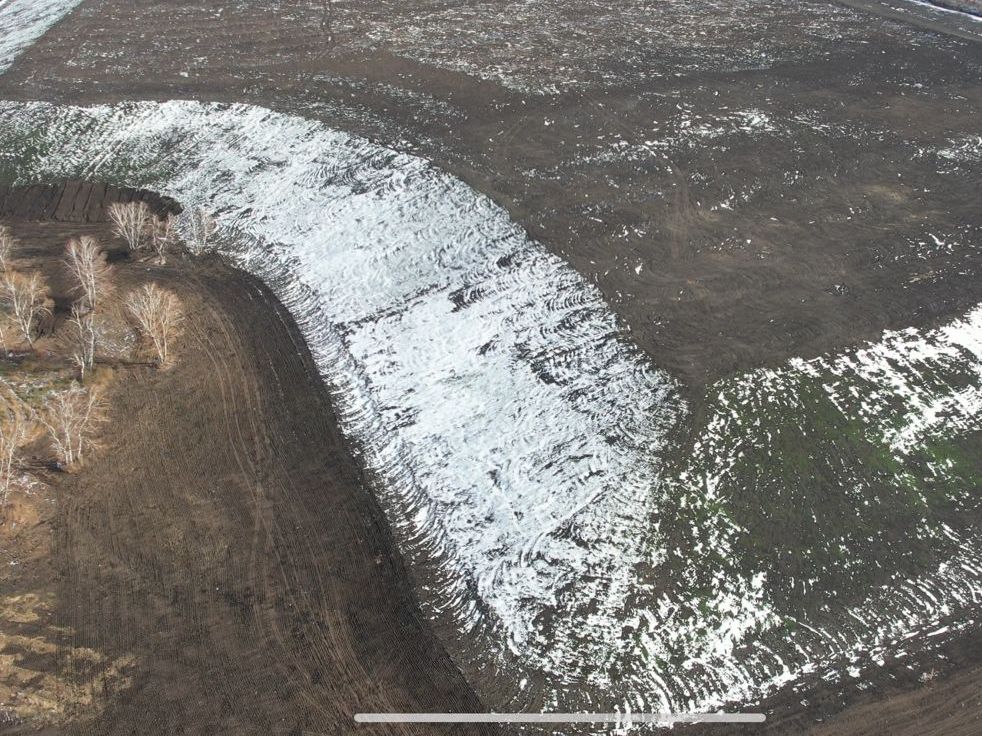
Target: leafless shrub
(86, 263)
(163, 236)
(70, 416)
(131, 222)
(27, 298)
(201, 227)
(8, 245)
(158, 314)
(15, 430)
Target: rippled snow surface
(22, 22)
(846, 489)
(822, 514)
(513, 427)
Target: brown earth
(219, 567)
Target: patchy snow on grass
(900, 368)
(845, 487)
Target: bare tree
(82, 338)
(27, 297)
(86, 263)
(8, 244)
(70, 417)
(15, 429)
(200, 229)
(131, 222)
(163, 236)
(158, 314)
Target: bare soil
(219, 567)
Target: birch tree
(15, 430)
(70, 417)
(158, 314)
(82, 339)
(89, 271)
(132, 223)
(8, 245)
(163, 236)
(200, 229)
(27, 297)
